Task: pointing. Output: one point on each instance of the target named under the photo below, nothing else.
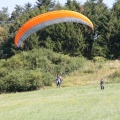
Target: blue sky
(11, 3)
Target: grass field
(66, 103)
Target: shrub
(22, 81)
(99, 59)
(47, 79)
(34, 69)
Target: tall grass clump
(114, 78)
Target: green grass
(92, 73)
(66, 103)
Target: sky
(11, 3)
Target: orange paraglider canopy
(47, 19)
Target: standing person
(102, 83)
(58, 80)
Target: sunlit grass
(65, 103)
(92, 73)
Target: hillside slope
(36, 69)
(92, 73)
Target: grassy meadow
(91, 73)
(86, 102)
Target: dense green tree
(68, 38)
(4, 16)
(114, 29)
(47, 4)
(17, 12)
(73, 5)
(100, 16)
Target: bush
(99, 59)
(47, 79)
(22, 81)
(29, 80)
(34, 69)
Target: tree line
(68, 38)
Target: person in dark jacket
(102, 84)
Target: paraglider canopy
(49, 18)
